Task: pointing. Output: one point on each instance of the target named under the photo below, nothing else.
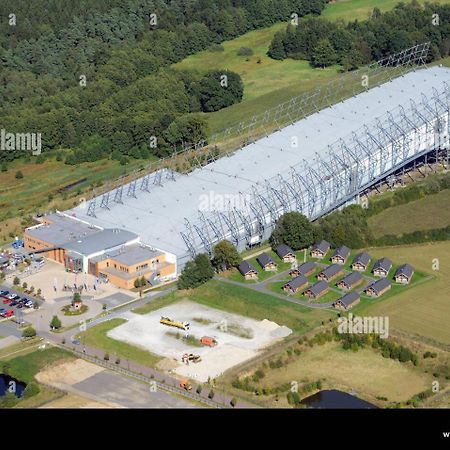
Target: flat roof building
(165, 206)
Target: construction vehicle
(190, 357)
(186, 385)
(209, 341)
(173, 323)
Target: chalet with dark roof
(330, 272)
(382, 267)
(347, 301)
(267, 262)
(361, 262)
(404, 274)
(305, 269)
(296, 284)
(247, 270)
(350, 281)
(378, 288)
(285, 253)
(340, 255)
(317, 290)
(320, 249)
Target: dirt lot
(239, 338)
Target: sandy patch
(68, 373)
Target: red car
(8, 313)
(6, 301)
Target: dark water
(8, 383)
(335, 399)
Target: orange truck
(209, 341)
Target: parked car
(19, 305)
(13, 303)
(11, 296)
(8, 313)
(16, 297)
(29, 304)
(6, 301)
(4, 293)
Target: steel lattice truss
(196, 155)
(348, 84)
(352, 165)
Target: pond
(335, 399)
(10, 384)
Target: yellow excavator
(173, 323)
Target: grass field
(20, 197)
(429, 212)
(350, 10)
(425, 309)
(270, 82)
(364, 372)
(25, 366)
(243, 301)
(96, 337)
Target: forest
(324, 43)
(94, 76)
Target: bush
(199, 389)
(16, 281)
(245, 51)
(19, 175)
(293, 398)
(233, 402)
(29, 332)
(211, 394)
(106, 356)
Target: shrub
(245, 51)
(19, 175)
(29, 332)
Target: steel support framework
(347, 168)
(192, 156)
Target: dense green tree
(189, 128)
(220, 89)
(196, 272)
(324, 54)
(293, 229)
(28, 332)
(277, 46)
(55, 323)
(225, 255)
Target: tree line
(95, 76)
(357, 43)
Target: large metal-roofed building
(313, 165)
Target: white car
(11, 296)
(29, 304)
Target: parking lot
(16, 306)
